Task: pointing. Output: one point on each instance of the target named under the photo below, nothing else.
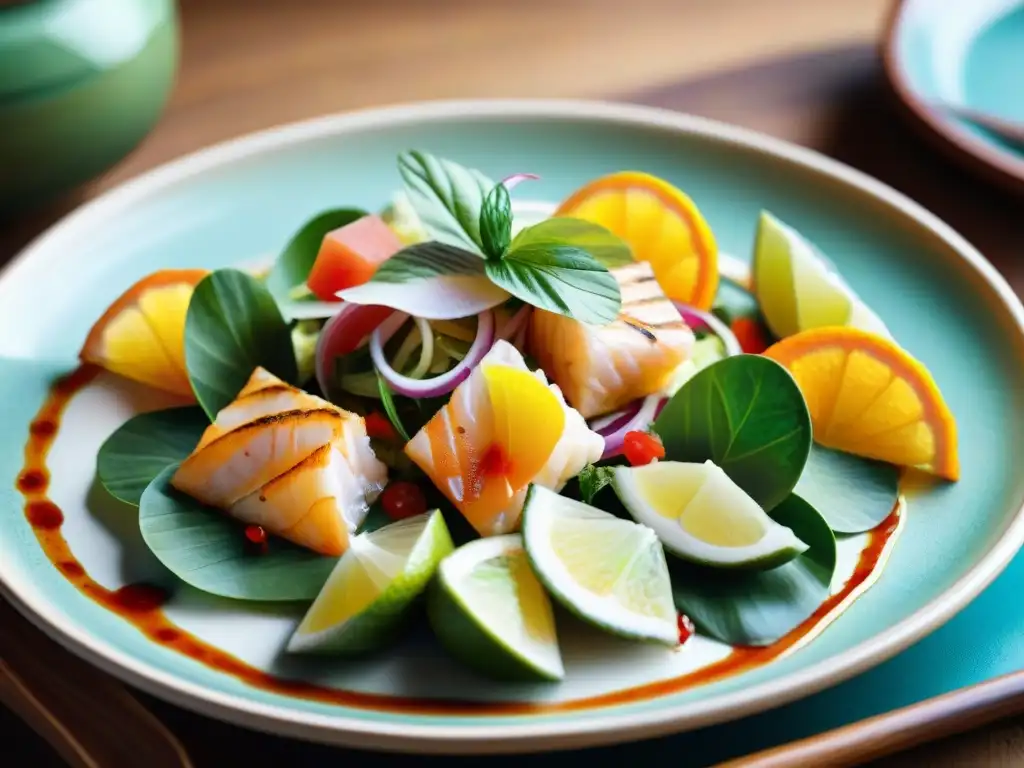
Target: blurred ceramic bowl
(81, 83)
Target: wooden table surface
(804, 70)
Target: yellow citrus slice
(661, 225)
(141, 336)
(869, 397)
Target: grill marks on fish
(288, 461)
(602, 368)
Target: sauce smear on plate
(141, 604)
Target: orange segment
(868, 397)
(528, 420)
(141, 336)
(662, 226)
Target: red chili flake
(686, 628)
(495, 462)
(378, 425)
(402, 499)
(642, 448)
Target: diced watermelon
(350, 255)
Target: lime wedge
(798, 289)
(488, 609)
(609, 571)
(367, 596)
(702, 516)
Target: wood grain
(248, 66)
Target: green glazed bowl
(81, 83)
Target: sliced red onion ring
(697, 318)
(513, 181)
(649, 409)
(516, 323)
(438, 385)
(605, 425)
(343, 333)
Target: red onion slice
(605, 425)
(438, 385)
(516, 323)
(697, 318)
(342, 334)
(648, 411)
(513, 181)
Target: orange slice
(869, 397)
(141, 336)
(662, 226)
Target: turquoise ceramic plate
(969, 55)
(241, 200)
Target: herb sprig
(560, 265)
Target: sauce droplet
(43, 428)
(32, 481)
(139, 598)
(44, 514)
(495, 463)
(686, 628)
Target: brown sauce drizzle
(140, 604)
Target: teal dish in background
(966, 54)
(81, 83)
(240, 201)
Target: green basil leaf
(293, 265)
(447, 198)
(388, 402)
(426, 260)
(144, 446)
(746, 414)
(593, 479)
(232, 326)
(559, 278)
(496, 222)
(207, 549)
(601, 244)
(760, 607)
(853, 494)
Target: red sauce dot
(43, 428)
(495, 462)
(256, 534)
(167, 635)
(403, 499)
(45, 515)
(71, 568)
(139, 598)
(32, 481)
(686, 628)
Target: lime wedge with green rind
(489, 611)
(368, 595)
(702, 516)
(798, 289)
(609, 571)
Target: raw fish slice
(602, 368)
(457, 447)
(240, 461)
(317, 503)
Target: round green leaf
(233, 325)
(760, 607)
(746, 414)
(853, 494)
(207, 549)
(144, 446)
(295, 262)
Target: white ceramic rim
(601, 726)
